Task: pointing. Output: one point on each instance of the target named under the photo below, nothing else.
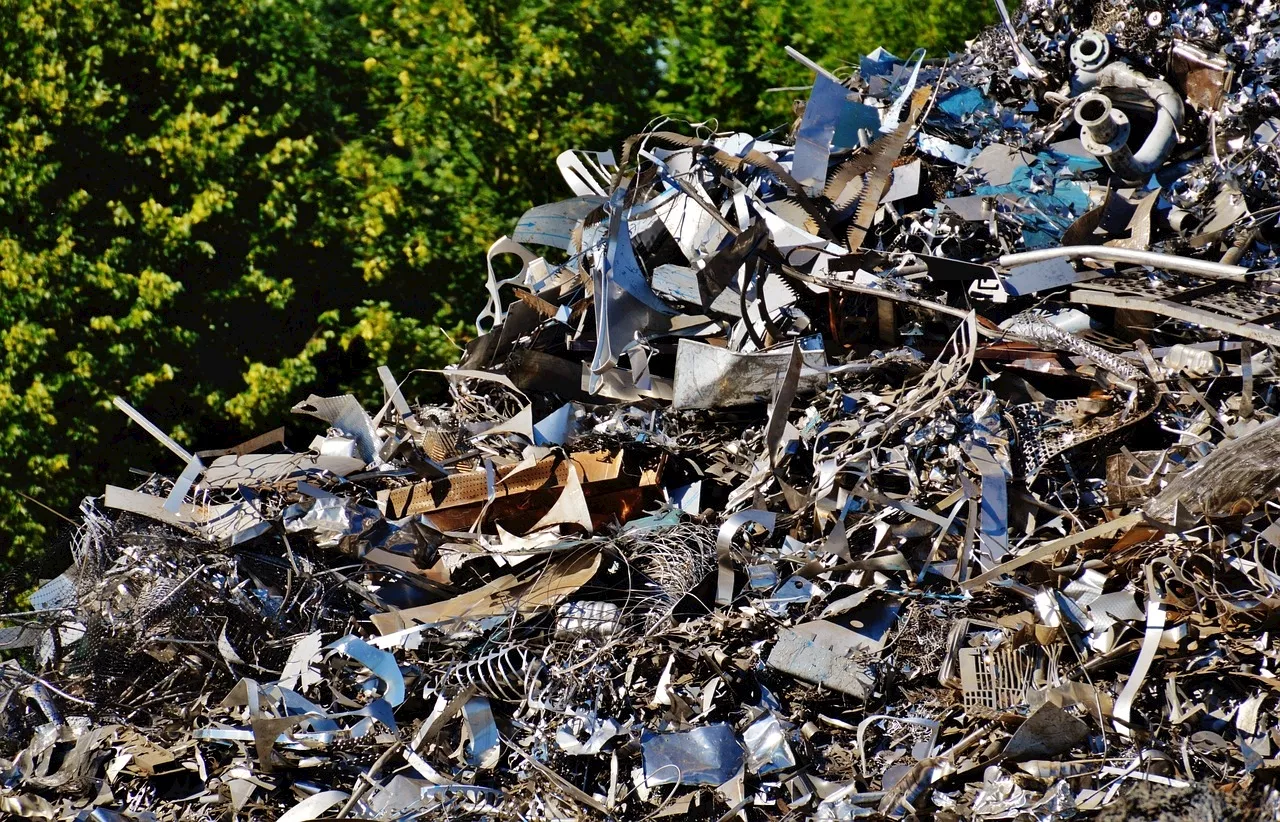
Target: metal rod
(365, 780)
(47, 508)
(32, 677)
(1170, 262)
(152, 429)
(810, 64)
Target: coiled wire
(500, 675)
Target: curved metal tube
(1201, 268)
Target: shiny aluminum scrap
(918, 458)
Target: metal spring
(499, 675)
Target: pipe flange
(1091, 51)
(1104, 129)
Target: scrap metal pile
(918, 458)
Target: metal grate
(997, 680)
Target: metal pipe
(1201, 268)
(1099, 119)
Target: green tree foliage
(215, 206)
(722, 57)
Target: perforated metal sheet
(1242, 303)
(1178, 287)
(1043, 433)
